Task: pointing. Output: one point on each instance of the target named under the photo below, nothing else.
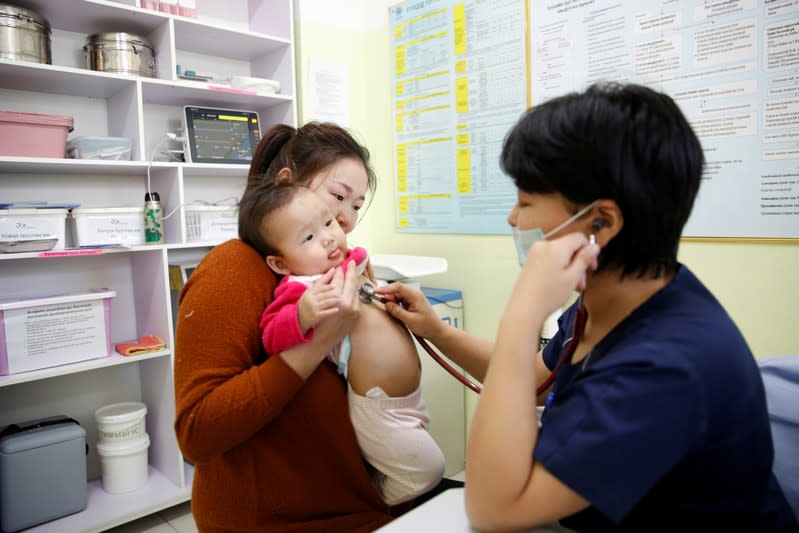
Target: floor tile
(180, 518)
(153, 523)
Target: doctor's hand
(555, 268)
(415, 311)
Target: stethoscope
(366, 294)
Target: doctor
(656, 420)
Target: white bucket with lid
(120, 422)
(124, 464)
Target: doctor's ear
(607, 221)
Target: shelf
(27, 76)
(86, 16)
(232, 37)
(23, 75)
(203, 38)
(92, 167)
(97, 167)
(106, 510)
(83, 366)
(185, 93)
(229, 170)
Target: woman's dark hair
(627, 143)
(256, 205)
(305, 151)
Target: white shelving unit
(229, 37)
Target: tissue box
(42, 472)
(45, 331)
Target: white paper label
(223, 225)
(49, 335)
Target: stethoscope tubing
(471, 385)
(367, 294)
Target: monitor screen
(220, 135)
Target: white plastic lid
(116, 413)
(125, 447)
(30, 211)
(16, 302)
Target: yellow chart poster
(459, 78)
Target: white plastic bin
(120, 422)
(211, 222)
(124, 464)
(90, 226)
(18, 225)
(43, 331)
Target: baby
(378, 359)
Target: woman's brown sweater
(271, 452)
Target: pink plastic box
(33, 134)
(40, 332)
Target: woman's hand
(415, 311)
(304, 358)
(318, 302)
(335, 327)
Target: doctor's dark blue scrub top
(663, 427)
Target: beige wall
(758, 284)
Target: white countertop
(445, 512)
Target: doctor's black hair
(623, 142)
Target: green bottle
(153, 219)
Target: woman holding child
(270, 435)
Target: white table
(446, 512)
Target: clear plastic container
(109, 148)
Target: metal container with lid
(122, 53)
(24, 35)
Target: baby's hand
(319, 301)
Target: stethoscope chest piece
(366, 294)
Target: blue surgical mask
(524, 239)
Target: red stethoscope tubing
(577, 331)
(446, 366)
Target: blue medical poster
(458, 85)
